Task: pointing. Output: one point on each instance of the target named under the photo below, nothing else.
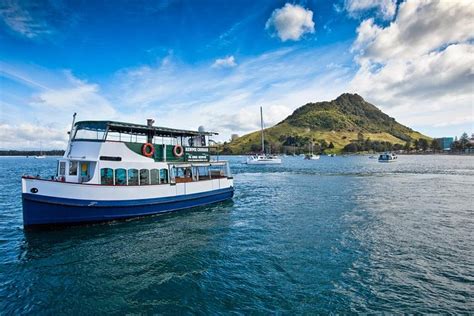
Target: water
(334, 235)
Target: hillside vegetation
(330, 126)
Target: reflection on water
(335, 235)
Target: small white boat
(311, 157)
(387, 157)
(263, 159)
(41, 155)
(332, 155)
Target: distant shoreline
(21, 153)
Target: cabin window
(172, 172)
(120, 177)
(132, 177)
(164, 176)
(154, 176)
(144, 177)
(73, 168)
(217, 172)
(107, 176)
(62, 168)
(203, 173)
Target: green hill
(329, 126)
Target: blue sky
(213, 63)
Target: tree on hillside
(331, 145)
(435, 145)
(423, 143)
(416, 143)
(360, 137)
(323, 144)
(255, 148)
(351, 148)
(407, 145)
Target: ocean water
(335, 235)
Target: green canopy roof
(130, 128)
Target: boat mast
(70, 134)
(261, 124)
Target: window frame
(115, 177)
(72, 163)
(102, 176)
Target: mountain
(345, 120)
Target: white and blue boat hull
(57, 209)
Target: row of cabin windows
(121, 176)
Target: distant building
(445, 142)
(234, 137)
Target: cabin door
(85, 172)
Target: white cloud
(291, 22)
(227, 62)
(19, 19)
(78, 96)
(32, 136)
(420, 67)
(45, 114)
(386, 8)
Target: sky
(214, 63)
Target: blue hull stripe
(43, 210)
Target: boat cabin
(125, 154)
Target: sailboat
(41, 155)
(263, 159)
(311, 156)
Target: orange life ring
(178, 150)
(148, 150)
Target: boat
(41, 155)
(388, 157)
(311, 156)
(114, 170)
(263, 158)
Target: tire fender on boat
(178, 150)
(148, 150)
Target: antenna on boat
(261, 123)
(70, 134)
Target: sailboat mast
(261, 124)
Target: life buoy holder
(178, 150)
(148, 150)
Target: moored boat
(114, 170)
(311, 157)
(388, 157)
(263, 158)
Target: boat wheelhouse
(115, 170)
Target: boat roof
(131, 128)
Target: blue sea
(337, 235)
